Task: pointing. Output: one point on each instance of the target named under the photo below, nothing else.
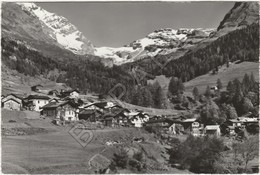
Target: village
(66, 106)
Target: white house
(38, 101)
(64, 111)
(139, 119)
(212, 130)
(12, 102)
(71, 93)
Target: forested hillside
(79, 73)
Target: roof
(12, 100)
(51, 91)
(87, 112)
(234, 120)
(37, 85)
(69, 91)
(15, 95)
(38, 97)
(57, 104)
(246, 119)
(212, 127)
(100, 104)
(164, 120)
(190, 120)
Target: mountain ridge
(159, 42)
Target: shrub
(121, 158)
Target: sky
(115, 24)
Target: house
(36, 88)
(63, 111)
(212, 130)
(71, 93)
(89, 114)
(95, 106)
(54, 93)
(234, 123)
(11, 104)
(109, 120)
(189, 125)
(139, 119)
(12, 101)
(163, 122)
(35, 102)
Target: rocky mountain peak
(242, 14)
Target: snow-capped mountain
(30, 22)
(161, 41)
(65, 33)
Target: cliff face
(242, 14)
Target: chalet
(116, 119)
(36, 88)
(163, 122)
(89, 114)
(212, 130)
(12, 101)
(64, 111)
(234, 122)
(139, 119)
(35, 102)
(96, 106)
(109, 120)
(71, 93)
(11, 104)
(54, 93)
(188, 124)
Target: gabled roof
(212, 127)
(88, 111)
(100, 104)
(38, 97)
(69, 91)
(12, 100)
(234, 120)
(38, 85)
(58, 104)
(189, 120)
(15, 95)
(52, 91)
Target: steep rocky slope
(241, 15)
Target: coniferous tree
(246, 84)
(173, 86)
(195, 92)
(208, 92)
(219, 84)
(159, 97)
(253, 86)
(147, 97)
